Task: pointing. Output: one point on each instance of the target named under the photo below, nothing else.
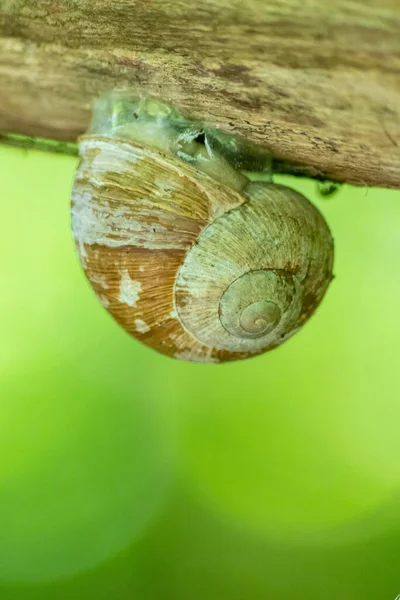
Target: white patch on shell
(173, 314)
(103, 300)
(141, 326)
(129, 291)
(100, 280)
(141, 268)
(96, 223)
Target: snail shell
(183, 244)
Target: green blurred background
(127, 475)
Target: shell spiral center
(247, 308)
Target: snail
(186, 240)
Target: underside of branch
(316, 82)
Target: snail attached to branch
(185, 239)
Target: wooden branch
(318, 81)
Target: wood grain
(316, 81)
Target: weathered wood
(317, 81)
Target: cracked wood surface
(317, 82)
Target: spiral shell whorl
(254, 305)
(259, 271)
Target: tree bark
(318, 81)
